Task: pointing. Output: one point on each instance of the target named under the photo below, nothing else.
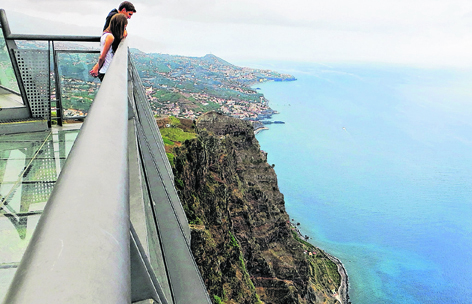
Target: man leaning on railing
(126, 8)
(113, 32)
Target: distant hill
(212, 59)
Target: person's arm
(101, 60)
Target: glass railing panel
(156, 258)
(78, 88)
(7, 75)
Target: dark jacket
(110, 15)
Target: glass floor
(29, 166)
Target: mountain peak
(215, 60)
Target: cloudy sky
(408, 32)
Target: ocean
(375, 164)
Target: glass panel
(29, 166)
(78, 88)
(156, 258)
(15, 233)
(7, 76)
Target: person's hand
(94, 71)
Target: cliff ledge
(242, 239)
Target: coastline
(258, 130)
(343, 290)
(342, 294)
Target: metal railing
(80, 250)
(36, 95)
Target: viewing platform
(88, 209)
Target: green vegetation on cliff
(242, 240)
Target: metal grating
(34, 69)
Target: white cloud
(426, 32)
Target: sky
(427, 33)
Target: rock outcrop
(242, 238)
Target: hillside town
(188, 86)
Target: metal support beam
(144, 284)
(49, 84)
(80, 250)
(55, 38)
(57, 78)
(11, 46)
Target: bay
(374, 162)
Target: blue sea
(375, 164)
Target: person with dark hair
(126, 8)
(109, 42)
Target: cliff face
(242, 239)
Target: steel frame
(11, 45)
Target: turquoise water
(375, 163)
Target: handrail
(70, 38)
(80, 249)
(9, 36)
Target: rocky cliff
(242, 238)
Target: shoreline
(343, 290)
(258, 130)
